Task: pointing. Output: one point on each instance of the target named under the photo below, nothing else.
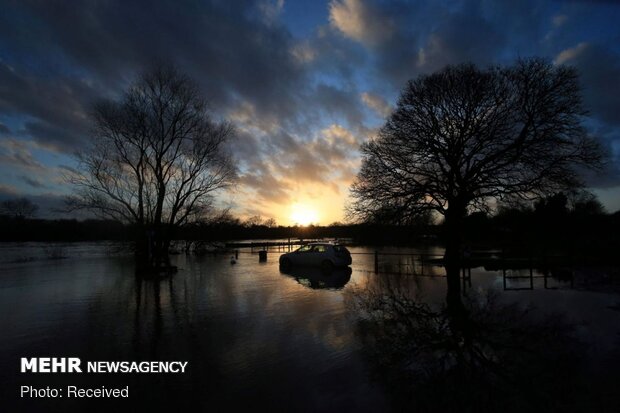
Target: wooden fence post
(376, 262)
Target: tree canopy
(463, 137)
(156, 157)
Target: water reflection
(486, 355)
(259, 339)
(252, 336)
(318, 279)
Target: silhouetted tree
(270, 223)
(156, 159)
(464, 137)
(19, 208)
(221, 218)
(587, 204)
(253, 221)
(555, 205)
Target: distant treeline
(553, 225)
(31, 229)
(69, 230)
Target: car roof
(330, 244)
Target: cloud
(103, 44)
(571, 53)
(303, 52)
(324, 160)
(266, 187)
(360, 21)
(271, 10)
(330, 54)
(33, 182)
(18, 154)
(336, 134)
(288, 166)
(599, 68)
(8, 192)
(67, 169)
(337, 102)
(54, 108)
(4, 130)
(559, 20)
(376, 103)
(460, 38)
(410, 38)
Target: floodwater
(254, 337)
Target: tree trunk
(161, 258)
(152, 245)
(453, 227)
(142, 248)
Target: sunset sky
(303, 82)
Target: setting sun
(303, 215)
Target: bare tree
(465, 137)
(156, 159)
(270, 223)
(253, 221)
(19, 208)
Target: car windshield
(305, 248)
(320, 248)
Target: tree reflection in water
(480, 355)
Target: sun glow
(303, 215)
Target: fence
(423, 264)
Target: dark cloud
(377, 104)
(4, 130)
(8, 192)
(337, 103)
(599, 68)
(330, 54)
(387, 30)
(93, 48)
(613, 2)
(609, 176)
(18, 153)
(267, 188)
(246, 147)
(460, 38)
(58, 137)
(33, 182)
(68, 169)
(521, 24)
(64, 57)
(409, 38)
(56, 108)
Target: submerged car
(317, 254)
(317, 279)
